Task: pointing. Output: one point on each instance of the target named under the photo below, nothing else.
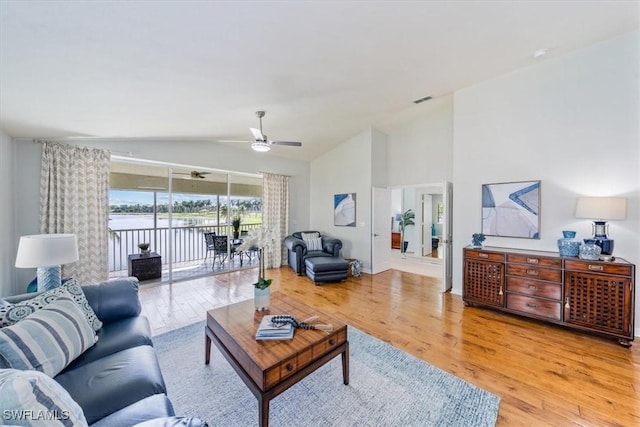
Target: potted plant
(144, 248)
(406, 219)
(235, 224)
(260, 238)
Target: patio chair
(220, 246)
(209, 246)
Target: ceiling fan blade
(290, 143)
(233, 140)
(257, 134)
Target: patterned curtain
(275, 216)
(74, 198)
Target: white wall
(196, 154)
(346, 169)
(8, 242)
(571, 122)
(420, 150)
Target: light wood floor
(545, 375)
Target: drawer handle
(533, 272)
(332, 342)
(595, 267)
(289, 367)
(532, 304)
(533, 260)
(483, 255)
(533, 287)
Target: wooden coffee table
(270, 367)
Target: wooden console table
(591, 296)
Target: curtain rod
(273, 173)
(112, 152)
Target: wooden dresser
(592, 296)
(395, 240)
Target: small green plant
(406, 219)
(235, 223)
(143, 246)
(263, 283)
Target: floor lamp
(47, 252)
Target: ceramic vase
(569, 245)
(262, 298)
(590, 251)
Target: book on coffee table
(273, 331)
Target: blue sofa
(298, 253)
(117, 381)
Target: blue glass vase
(569, 245)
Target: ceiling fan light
(260, 146)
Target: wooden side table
(145, 267)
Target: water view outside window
(132, 221)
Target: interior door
(447, 235)
(380, 230)
(427, 220)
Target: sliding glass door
(186, 215)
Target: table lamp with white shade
(47, 252)
(601, 210)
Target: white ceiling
(323, 70)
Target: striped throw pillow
(11, 314)
(49, 339)
(313, 235)
(314, 244)
(31, 398)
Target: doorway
(425, 242)
(422, 238)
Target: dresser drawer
(532, 272)
(599, 267)
(534, 288)
(534, 306)
(534, 260)
(488, 256)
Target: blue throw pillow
(314, 244)
(31, 398)
(49, 339)
(13, 313)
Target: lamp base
(605, 244)
(49, 278)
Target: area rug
(387, 387)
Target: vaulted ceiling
(323, 70)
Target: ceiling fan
(261, 142)
(194, 174)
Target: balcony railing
(187, 242)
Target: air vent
(418, 101)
